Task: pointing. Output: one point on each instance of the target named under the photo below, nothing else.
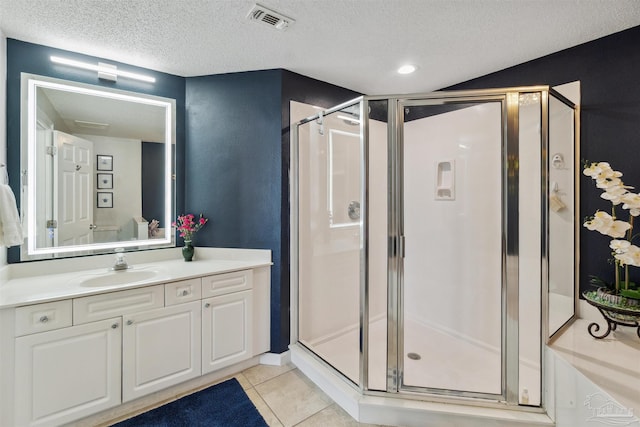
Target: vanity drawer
(43, 317)
(105, 306)
(182, 291)
(226, 283)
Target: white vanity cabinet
(160, 348)
(65, 374)
(227, 317)
(78, 356)
(226, 330)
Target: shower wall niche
(421, 234)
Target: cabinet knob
(129, 322)
(185, 293)
(114, 326)
(207, 305)
(44, 319)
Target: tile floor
(286, 398)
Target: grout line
(270, 408)
(271, 378)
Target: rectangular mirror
(97, 167)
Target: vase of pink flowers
(187, 225)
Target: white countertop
(44, 281)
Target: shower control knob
(353, 210)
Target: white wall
(452, 266)
(127, 183)
(3, 119)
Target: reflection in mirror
(97, 167)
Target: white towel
(10, 226)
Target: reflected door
(73, 203)
(451, 334)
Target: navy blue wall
(35, 59)
(237, 160)
(608, 69)
(233, 165)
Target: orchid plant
(624, 252)
(187, 225)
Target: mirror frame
(28, 109)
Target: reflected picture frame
(104, 162)
(105, 181)
(105, 200)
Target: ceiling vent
(259, 13)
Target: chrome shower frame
(509, 99)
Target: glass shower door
(330, 188)
(451, 222)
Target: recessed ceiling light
(407, 69)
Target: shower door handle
(397, 246)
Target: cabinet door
(226, 330)
(68, 373)
(160, 348)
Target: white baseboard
(275, 359)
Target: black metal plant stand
(614, 316)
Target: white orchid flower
(607, 225)
(618, 229)
(601, 221)
(632, 202)
(619, 246)
(630, 257)
(595, 169)
(606, 182)
(614, 194)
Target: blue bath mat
(222, 405)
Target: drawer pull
(114, 326)
(185, 293)
(207, 305)
(44, 319)
(129, 322)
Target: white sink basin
(120, 277)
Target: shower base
(398, 411)
(446, 361)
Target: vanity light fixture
(105, 71)
(407, 69)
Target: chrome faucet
(121, 263)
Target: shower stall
(433, 241)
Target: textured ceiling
(357, 44)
